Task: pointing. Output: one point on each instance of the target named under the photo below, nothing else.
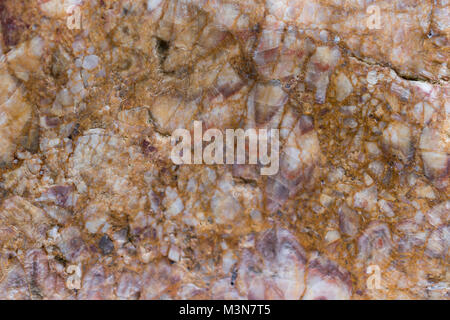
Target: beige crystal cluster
(92, 207)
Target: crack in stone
(440, 82)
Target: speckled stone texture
(92, 207)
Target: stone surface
(92, 207)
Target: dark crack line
(440, 82)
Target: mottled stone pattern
(92, 207)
